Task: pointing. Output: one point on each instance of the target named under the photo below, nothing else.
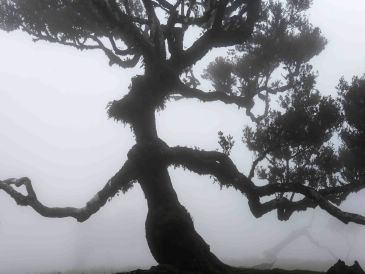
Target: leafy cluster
(305, 138)
(225, 142)
(295, 140)
(353, 134)
(283, 42)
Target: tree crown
(296, 141)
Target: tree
(292, 141)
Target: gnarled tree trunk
(170, 231)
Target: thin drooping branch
(117, 50)
(120, 22)
(138, 26)
(221, 166)
(122, 180)
(111, 54)
(114, 59)
(101, 18)
(46, 36)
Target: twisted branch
(246, 102)
(221, 166)
(122, 180)
(213, 96)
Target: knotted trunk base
(173, 241)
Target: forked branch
(122, 180)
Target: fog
(54, 130)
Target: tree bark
(170, 231)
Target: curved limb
(246, 102)
(122, 180)
(221, 166)
(212, 96)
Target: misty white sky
(54, 129)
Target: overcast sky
(54, 129)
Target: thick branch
(156, 34)
(213, 96)
(240, 101)
(122, 180)
(221, 166)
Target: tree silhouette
(270, 44)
